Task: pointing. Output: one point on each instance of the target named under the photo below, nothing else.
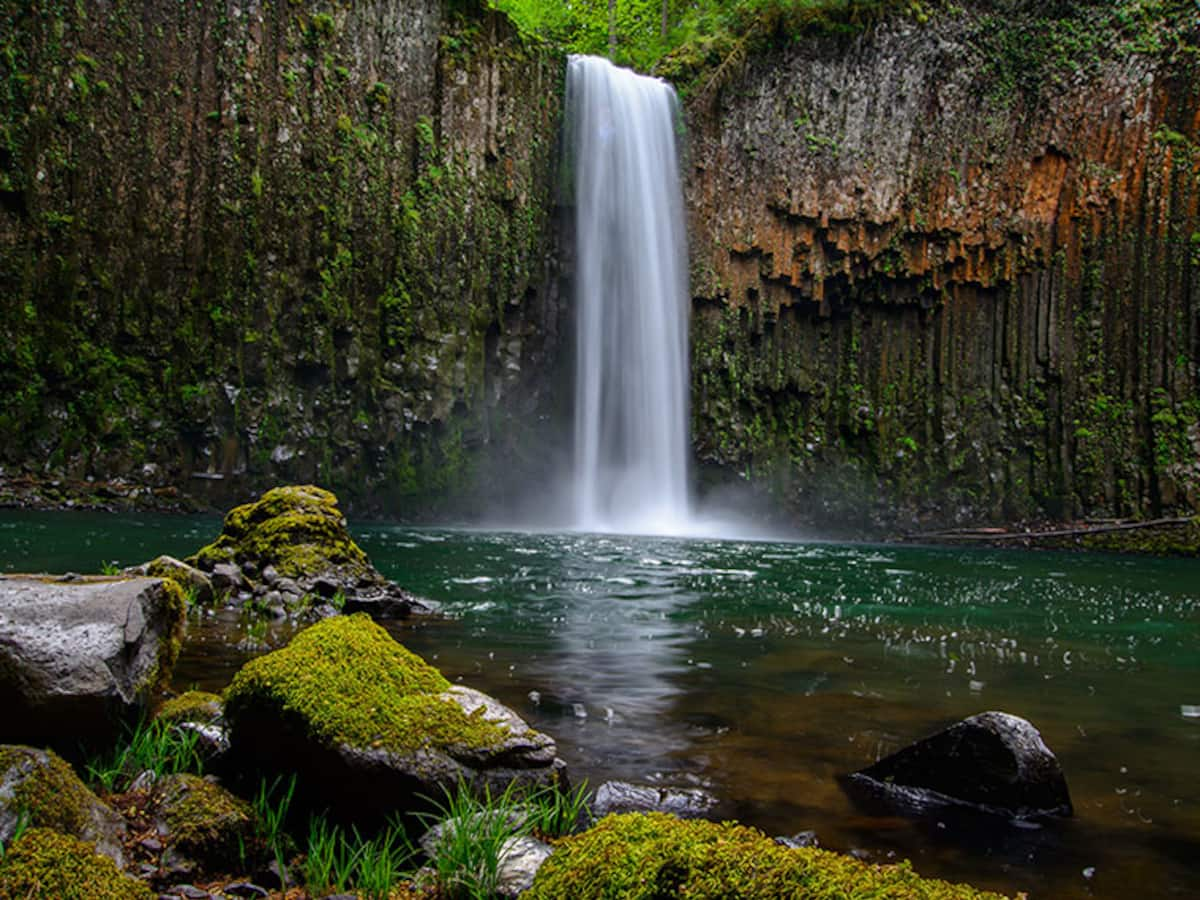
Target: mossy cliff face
(947, 269)
(250, 243)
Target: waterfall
(631, 375)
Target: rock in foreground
(76, 657)
(41, 788)
(993, 762)
(354, 712)
(45, 863)
(291, 550)
(648, 855)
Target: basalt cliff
(945, 264)
(947, 270)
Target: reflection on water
(765, 670)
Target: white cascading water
(631, 394)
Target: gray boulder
(623, 797)
(992, 762)
(78, 657)
(41, 788)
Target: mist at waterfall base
(629, 466)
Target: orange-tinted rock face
(939, 278)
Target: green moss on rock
(298, 529)
(46, 788)
(44, 863)
(655, 855)
(203, 819)
(192, 706)
(352, 684)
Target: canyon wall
(947, 270)
(249, 242)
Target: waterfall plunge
(631, 394)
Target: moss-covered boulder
(649, 855)
(291, 549)
(44, 863)
(373, 725)
(79, 657)
(41, 789)
(202, 820)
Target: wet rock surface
(623, 797)
(992, 762)
(79, 655)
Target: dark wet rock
(187, 892)
(78, 658)
(993, 762)
(621, 797)
(227, 579)
(294, 541)
(350, 709)
(798, 840)
(44, 789)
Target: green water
(762, 671)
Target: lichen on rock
(47, 863)
(647, 855)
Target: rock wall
(248, 242)
(948, 270)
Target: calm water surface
(762, 671)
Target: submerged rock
(78, 656)
(993, 762)
(373, 725)
(41, 788)
(291, 548)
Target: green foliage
(699, 34)
(474, 830)
(157, 746)
(21, 826)
(271, 804)
(336, 860)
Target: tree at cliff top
(645, 32)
